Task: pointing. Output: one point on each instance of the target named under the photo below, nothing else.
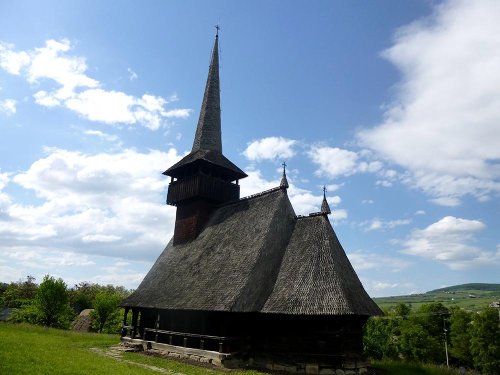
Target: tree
(379, 338)
(82, 296)
(402, 310)
(485, 341)
(106, 314)
(51, 303)
(460, 321)
(20, 293)
(415, 343)
(431, 316)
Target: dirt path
(116, 353)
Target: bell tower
(204, 178)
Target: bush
(106, 316)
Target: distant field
(471, 297)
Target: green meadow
(33, 350)
(471, 297)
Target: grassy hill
(471, 297)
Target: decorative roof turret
(208, 131)
(325, 208)
(284, 181)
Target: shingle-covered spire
(208, 131)
(325, 208)
(284, 181)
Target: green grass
(387, 367)
(32, 350)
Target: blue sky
(394, 106)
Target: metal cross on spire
(324, 191)
(284, 166)
(217, 27)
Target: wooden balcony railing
(202, 186)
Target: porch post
(135, 313)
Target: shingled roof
(316, 277)
(255, 255)
(230, 266)
(210, 156)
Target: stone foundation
(349, 365)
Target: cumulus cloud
(75, 90)
(8, 106)
(443, 125)
(333, 162)
(270, 148)
(89, 204)
(12, 61)
(451, 241)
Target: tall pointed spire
(208, 131)
(325, 207)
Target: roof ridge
(256, 195)
(265, 192)
(314, 214)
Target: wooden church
(245, 282)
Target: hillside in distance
(472, 297)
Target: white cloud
(364, 260)
(80, 93)
(12, 61)
(10, 274)
(333, 161)
(443, 125)
(270, 148)
(42, 257)
(332, 187)
(447, 201)
(67, 71)
(8, 106)
(4, 179)
(375, 286)
(255, 183)
(377, 224)
(106, 204)
(451, 241)
(338, 215)
(100, 238)
(102, 135)
(132, 75)
(420, 212)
